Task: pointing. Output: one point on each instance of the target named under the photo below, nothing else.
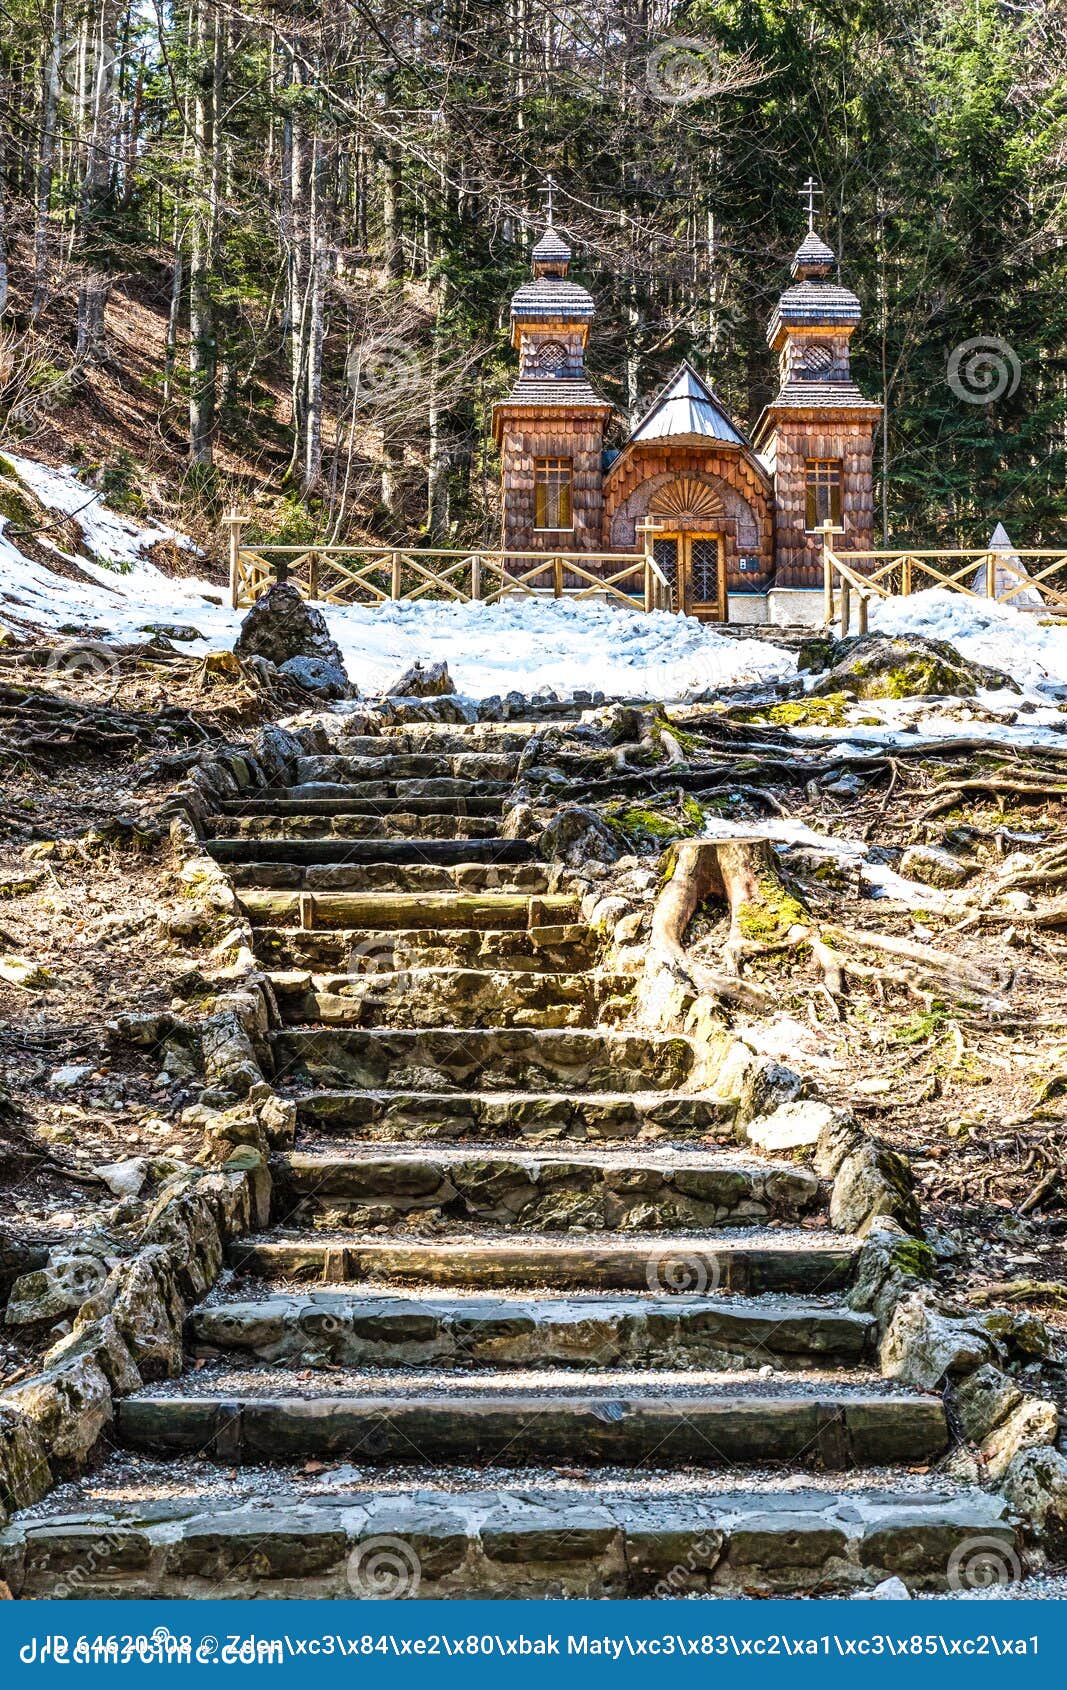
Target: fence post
(846, 606)
(395, 582)
(863, 613)
(313, 575)
(991, 575)
(905, 577)
(476, 576)
(234, 523)
(557, 577)
(827, 575)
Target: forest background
(262, 254)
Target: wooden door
(667, 551)
(704, 577)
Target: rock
(70, 1075)
(906, 666)
(51, 1292)
(575, 835)
(69, 1405)
(172, 630)
(101, 1340)
(1032, 1422)
(892, 1264)
(148, 1313)
(840, 1137)
(792, 1126)
(873, 1180)
(22, 971)
(924, 1345)
(325, 680)
(891, 1590)
(124, 1179)
(25, 1475)
(931, 867)
(280, 626)
(1035, 1484)
(982, 1400)
(419, 682)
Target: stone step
(454, 855)
(452, 997)
(454, 1419)
(545, 1190)
(748, 1265)
(434, 910)
(467, 876)
(443, 790)
(516, 879)
(265, 1538)
(275, 801)
(442, 1330)
(535, 950)
(489, 1058)
(436, 765)
(398, 824)
(431, 739)
(535, 1117)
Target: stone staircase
(526, 1322)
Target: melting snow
(1014, 641)
(520, 644)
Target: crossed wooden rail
(377, 574)
(887, 575)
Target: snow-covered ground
(519, 644)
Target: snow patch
(111, 537)
(1014, 641)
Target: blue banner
(537, 1644)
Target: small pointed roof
(1011, 584)
(812, 254)
(686, 408)
(551, 246)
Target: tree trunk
(203, 347)
(46, 159)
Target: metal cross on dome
(809, 191)
(549, 190)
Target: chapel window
(552, 492)
(823, 490)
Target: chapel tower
(817, 435)
(550, 428)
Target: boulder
(924, 1345)
(69, 1405)
(1035, 1484)
(59, 1289)
(931, 867)
(25, 1475)
(793, 1126)
(1033, 1422)
(577, 835)
(280, 625)
(431, 681)
(314, 674)
(906, 666)
(873, 1181)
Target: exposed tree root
(953, 793)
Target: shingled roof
(686, 408)
(550, 298)
(551, 246)
(554, 392)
